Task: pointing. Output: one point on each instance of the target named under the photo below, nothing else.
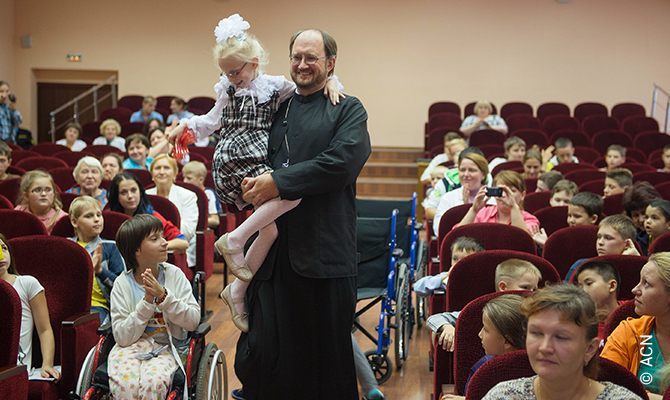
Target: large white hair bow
(231, 26)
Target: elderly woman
(71, 140)
(112, 164)
(88, 174)
(641, 344)
(562, 344)
(164, 172)
(483, 118)
(110, 131)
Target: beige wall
(397, 57)
(7, 40)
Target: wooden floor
(413, 382)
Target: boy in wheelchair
(152, 309)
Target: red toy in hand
(181, 153)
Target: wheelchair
(387, 278)
(206, 372)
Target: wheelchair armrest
(105, 329)
(80, 318)
(199, 277)
(11, 370)
(397, 252)
(201, 331)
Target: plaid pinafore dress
(242, 150)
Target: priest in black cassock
(302, 300)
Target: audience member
(195, 173)
(164, 172)
(460, 248)
(112, 164)
(483, 118)
(110, 131)
(584, 208)
(127, 196)
(509, 206)
(532, 163)
(639, 344)
(159, 143)
(10, 117)
(656, 223)
(562, 345)
(502, 332)
(666, 159)
(512, 274)
(138, 149)
(178, 108)
(617, 180)
(436, 175)
(515, 150)
(636, 199)
(616, 236)
(34, 314)
(88, 174)
(562, 192)
(565, 153)
(150, 125)
(547, 180)
(152, 306)
(40, 198)
(614, 157)
(147, 112)
(601, 281)
(88, 222)
(453, 145)
(71, 140)
(5, 161)
(473, 171)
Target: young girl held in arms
(152, 305)
(246, 103)
(35, 314)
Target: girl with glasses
(40, 198)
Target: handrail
(654, 101)
(94, 90)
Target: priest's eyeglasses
(309, 59)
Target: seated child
(447, 157)
(547, 180)
(532, 164)
(635, 201)
(110, 131)
(565, 153)
(460, 248)
(617, 180)
(512, 274)
(195, 173)
(436, 176)
(138, 149)
(562, 193)
(152, 306)
(584, 208)
(87, 220)
(515, 150)
(666, 159)
(656, 223)
(600, 279)
(502, 332)
(40, 198)
(614, 157)
(5, 161)
(616, 235)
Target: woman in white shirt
(71, 140)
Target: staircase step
(386, 187)
(390, 169)
(395, 154)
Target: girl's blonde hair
(242, 50)
(27, 181)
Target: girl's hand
(480, 200)
(331, 91)
(50, 372)
(547, 154)
(539, 235)
(151, 285)
(508, 199)
(630, 249)
(97, 259)
(174, 132)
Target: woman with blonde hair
(110, 131)
(40, 198)
(509, 204)
(483, 118)
(641, 344)
(562, 345)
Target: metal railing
(96, 99)
(654, 102)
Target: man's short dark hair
(132, 232)
(465, 243)
(590, 202)
(605, 269)
(551, 178)
(639, 196)
(622, 176)
(5, 150)
(329, 45)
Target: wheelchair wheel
(86, 373)
(402, 311)
(381, 365)
(212, 381)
